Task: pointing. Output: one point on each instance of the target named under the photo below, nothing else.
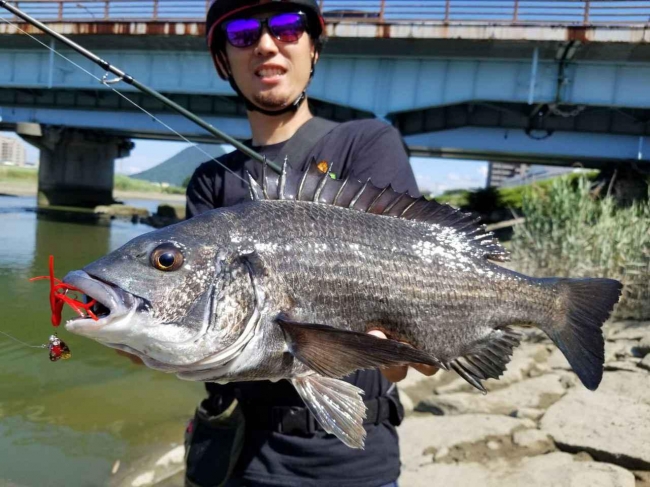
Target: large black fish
(287, 286)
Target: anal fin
(488, 360)
(336, 405)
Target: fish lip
(118, 301)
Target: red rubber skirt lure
(58, 298)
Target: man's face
(272, 73)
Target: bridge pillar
(76, 166)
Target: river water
(66, 423)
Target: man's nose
(266, 44)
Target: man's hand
(398, 373)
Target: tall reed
(569, 233)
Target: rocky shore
(536, 427)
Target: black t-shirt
(363, 149)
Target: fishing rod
(130, 80)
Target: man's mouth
(270, 72)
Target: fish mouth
(112, 302)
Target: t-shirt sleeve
(381, 156)
(200, 195)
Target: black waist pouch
(212, 446)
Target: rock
(634, 386)
(493, 445)
(555, 469)
(418, 386)
(645, 363)
(539, 392)
(629, 365)
(406, 401)
(642, 478)
(175, 456)
(557, 360)
(534, 440)
(612, 428)
(619, 350)
(143, 479)
(432, 434)
(626, 330)
(529, 413)
(642, 348)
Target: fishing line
(107, 83)
(23, 343)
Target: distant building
(498, 172)
(12, 152)
(505, 175)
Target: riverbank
(29, 188)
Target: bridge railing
(563, 12)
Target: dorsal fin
(316, 185)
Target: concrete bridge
(562, 82)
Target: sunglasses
(285, 27)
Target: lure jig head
(58, 349)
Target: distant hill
(177, 168)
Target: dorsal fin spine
(369, 210)
(253, 188)
(302, 183)
(338, 193)
(393, 203)
(322, 184)
(356, 197)
(283, 179)
(401, 215)
(264, 184)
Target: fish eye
(166, 258)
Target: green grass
(125, 183)
(14, 174)
(570, 233)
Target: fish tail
(587, 304)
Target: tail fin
(587, 305)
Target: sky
(433, 175)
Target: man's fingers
(398, 373)
(395, 374)
(425, 369)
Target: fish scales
(436, 301)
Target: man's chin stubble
(270, 102)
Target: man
(268, 51)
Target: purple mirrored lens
(287, 27)
(243, 32)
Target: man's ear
(222, 65)
(315, 56)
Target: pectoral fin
(336, 405)
(336, 353)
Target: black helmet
(222, 10)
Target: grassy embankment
(26, 177)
